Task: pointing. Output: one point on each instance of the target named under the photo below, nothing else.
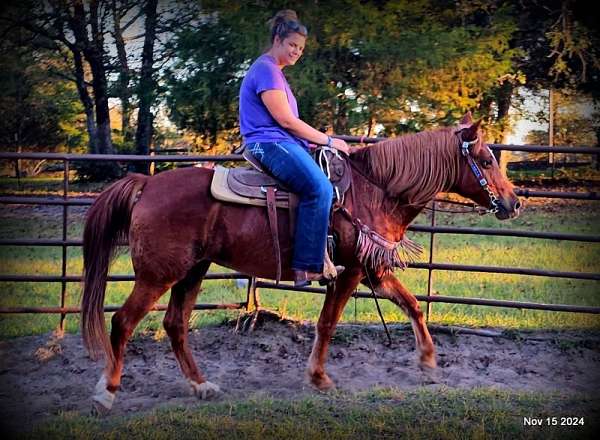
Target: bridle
(466, 153)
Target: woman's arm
(277, 104)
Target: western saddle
(255, 186)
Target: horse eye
(486, 163)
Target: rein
(372, 249)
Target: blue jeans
(294, 167)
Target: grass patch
(380, 413)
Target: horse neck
(375, 208)
(414, 168)
(390, 201)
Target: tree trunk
(93, 51)
(504, 98)
(104, 142)
(341, 117)
(147, 87)
(88, 104)
(124, 74)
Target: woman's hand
(340, 145)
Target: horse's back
(173, 186)
(177, 222)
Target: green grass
(581, 218)
(380, 413)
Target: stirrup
(305, 281)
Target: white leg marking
(102, 398)
(205, 390)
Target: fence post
(65, 216)
(430, 270)
(252, 293)
(152, 166)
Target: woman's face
(289, 50)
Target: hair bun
(283, 16)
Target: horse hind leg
(176, 323)
(142, 299)
(391, 288)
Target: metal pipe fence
(64, 242)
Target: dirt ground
(41, 376)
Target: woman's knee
(322, 189)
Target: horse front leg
(334, 304)
(390, 287)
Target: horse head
(480, 178)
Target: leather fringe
(374, 251)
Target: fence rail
(64, 243)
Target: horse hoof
(103, 399)
(428, 362)
(322, 383)
(205, 390)
(98, 409)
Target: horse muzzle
(508, 208)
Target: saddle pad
(220, 190)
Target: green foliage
(40, 111)
(204, 83)
(561, 45)
(400, 64)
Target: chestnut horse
(176, 229)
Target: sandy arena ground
(43, 375)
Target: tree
(573, 118)
(147, 86)
(70, 27)
(561, 49)
(98, 40)
(39, 111)
(405, 65)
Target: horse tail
(107, 225)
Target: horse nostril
(517, 205)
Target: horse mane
(412, 168)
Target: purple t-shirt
(256, 123)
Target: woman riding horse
(276, 137)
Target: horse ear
(467, 119)
(470, 132)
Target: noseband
(464, 149)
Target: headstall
(464, 149)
